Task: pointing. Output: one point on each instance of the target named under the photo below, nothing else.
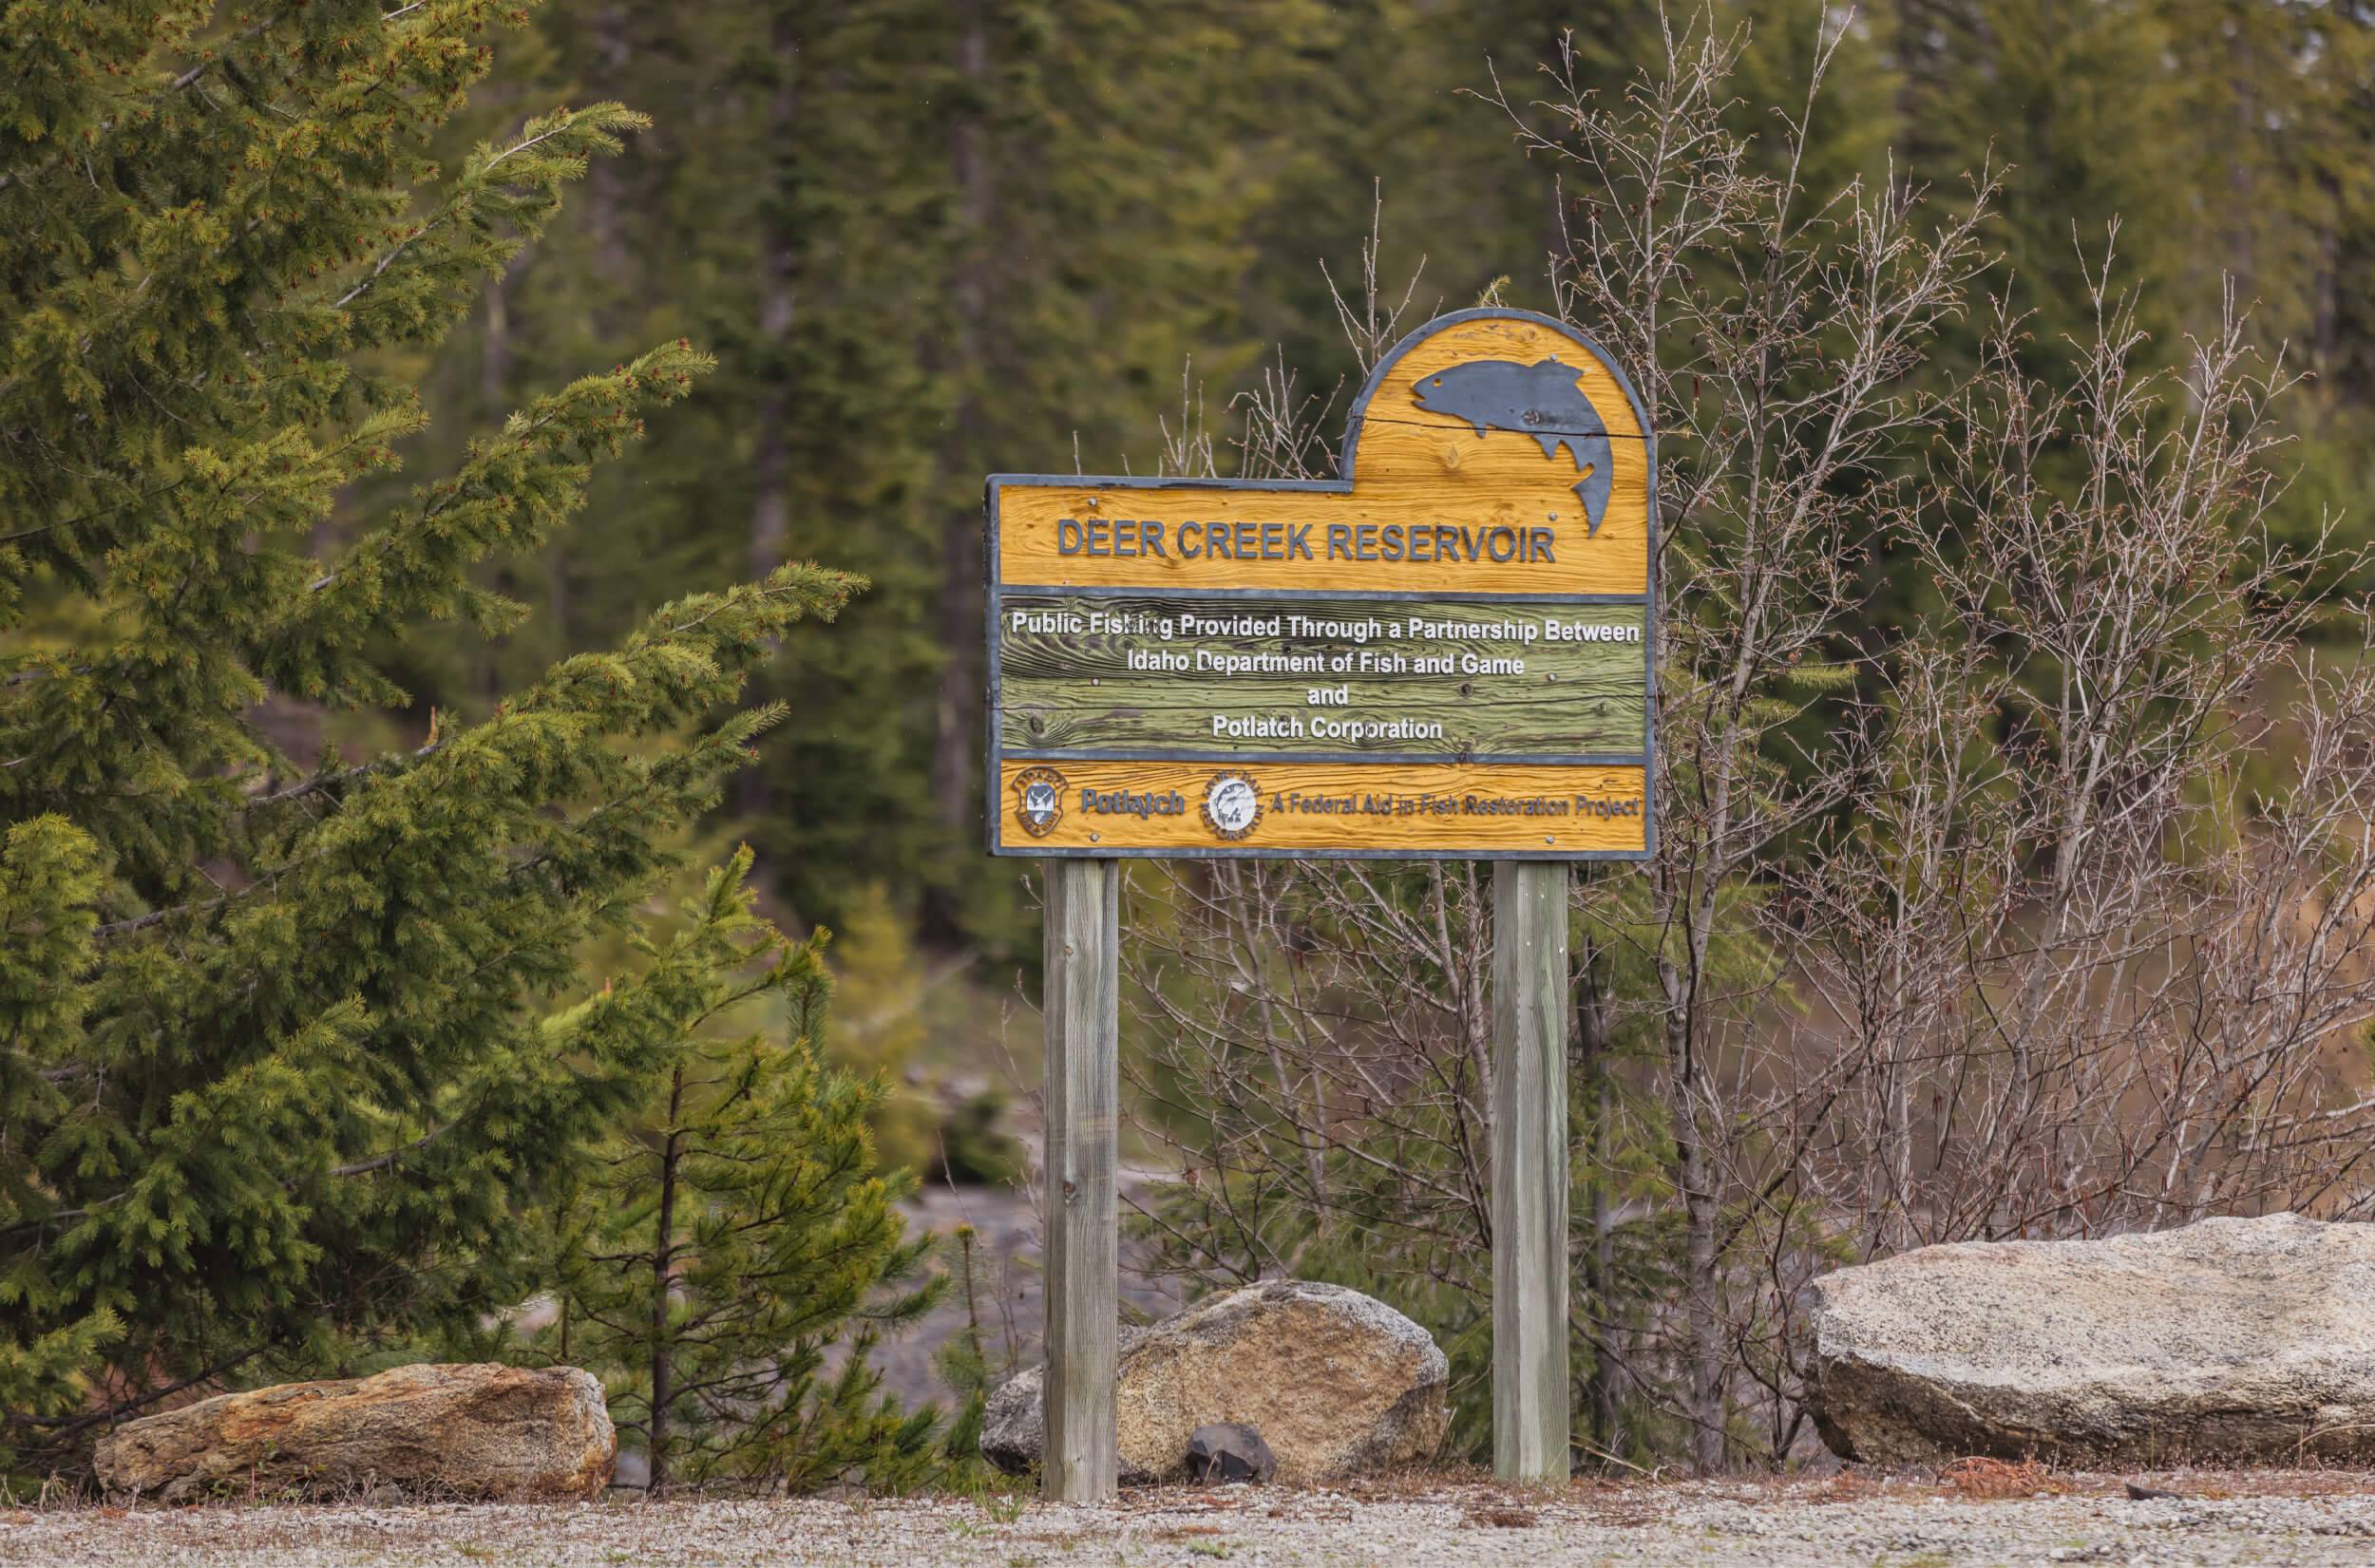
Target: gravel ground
(2315, 1521)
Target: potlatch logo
(1040, 800)
(1232, 806)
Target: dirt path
(2320, 1520)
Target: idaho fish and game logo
(1040, 800)
(1544, 399)
(1232, 806)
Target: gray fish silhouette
(1542, 400)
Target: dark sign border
(997, 589)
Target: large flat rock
(2229, 1339)
(1336, 1383)
(471, 1430)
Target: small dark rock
(2146, 1494)
(1230, 1451)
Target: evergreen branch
(156, 917)
(376, 768)
(465, 199)
(33, 677)
(64, 1427)
(533, 457)
(595, 124)
(381, 1161)
(62, 1217)
(179, 84)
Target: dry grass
(1995, 1478)
(1847, 1486)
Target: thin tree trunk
(1704, 1378)
(1606, 1429)
(771, 465)
(770, 515)
(1591, 1031)
(1693, 897)
(1685, 1042)
(954, 740)
(494, 363)
(2243, 166)
(663, 1271)
(1678, 985)
(614, 56)
(2326, 313)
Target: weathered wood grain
(1081, 1014)
(1062, 690)
(1411, 466)
(1596, 720)
(1456, 815)
(1529, 1002)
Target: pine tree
(739, 1232)
(273, 1078)
(2282, 202)
(925, 241)
(2076, 104)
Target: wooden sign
(1444, 654)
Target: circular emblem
(1040, 800)
(1232, 804)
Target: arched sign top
(1461, 341)
(1443, 652)
(1513, 435)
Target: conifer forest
(492, 679)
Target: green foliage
(881, 1029)
(925, 1123)
(962, 1362)
(737, 1234)
(308, 824)
(275, 1086)
(903, 301)
(1390, 1192)
(974, 1148)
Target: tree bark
(1705, 1376)
(494, 363)
(771, 462)
(663, 1270)
(956, 737)
(1592, 1038)
(612, 59)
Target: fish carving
(1544, 399)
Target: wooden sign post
(1444, 654)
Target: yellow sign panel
(1499, 810)
(1444, 653)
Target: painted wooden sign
(1443, 654)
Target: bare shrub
(2042, 910)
